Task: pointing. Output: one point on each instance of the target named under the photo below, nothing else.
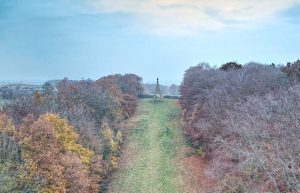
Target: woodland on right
(244, 121)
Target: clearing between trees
(152, 159)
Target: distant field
(31, 86)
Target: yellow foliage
(7, 126)
(201, 151)
(114, 146)
(119, 137)
(28, 177)
(31, 169)
(109, 138)
(117, 113)
(114, 162)
(113, 143)
(67, 137)
(107, 131)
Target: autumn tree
(48, 89)
(37, 98)
(41, 153)
(67, 137)
(54, 161)
(111, 145)
(131, 84)
(96, 173)
(75, 173)
(292, 70)
(10, 157)
(20, 106)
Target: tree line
(67, 138)
(244, 120)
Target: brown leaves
(52, 156)
(75, 173)
(56, 155)
(42, 156)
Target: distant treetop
(231, 66)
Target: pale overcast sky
(41, 40)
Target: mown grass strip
(151, 152)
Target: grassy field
(154, 146)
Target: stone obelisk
(157, 93)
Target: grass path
(154, 146)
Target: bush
(69, 136)
(260, 125)
(292, 70)
(239, 118)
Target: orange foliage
(37, 98)
(42, 157)
(53, 156)
(6, 125)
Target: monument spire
(157, 94)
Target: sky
(79, 39)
